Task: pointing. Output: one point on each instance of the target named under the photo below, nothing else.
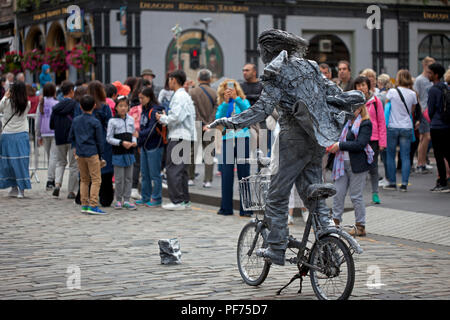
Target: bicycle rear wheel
(253, 269)
(336, 278)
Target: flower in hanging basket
(56, 58)
(81, 57)
(33, 60)
(11, 62)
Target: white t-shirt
(399, 117)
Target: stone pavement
(44, 240)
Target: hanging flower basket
(81, 57)
(11, 62)
(33, 60)
(56, 59)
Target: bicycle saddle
(320, 191)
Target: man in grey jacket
(312, 111)
(181, 124)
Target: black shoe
(390, 186)
(56, 192)
(403, 188)
(275, 256)
(224, 214)
(50, 185)
(71, 195)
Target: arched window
(436, 46)
(329, 49)
(191, 55)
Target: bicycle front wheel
(253, 269)
(336, 277)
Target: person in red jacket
(378, 140)
(34, 100)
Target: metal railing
(36, 163)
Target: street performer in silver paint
(313, 111)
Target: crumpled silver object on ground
(313, 111)
(169, 251)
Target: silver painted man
(312, 111)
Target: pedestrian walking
(400, 128)
(151, 141)
(180, 122)
(86, 134)
(120, 134)
(46, 136)
(378, 140)
(439, 111)
(353, 159)
(61, 121)
(14, 141)
(236, 143)
(205, 102)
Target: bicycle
(327, 260)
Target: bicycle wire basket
(253, 191)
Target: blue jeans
(402, 137)
(151, 172)
(230, 153)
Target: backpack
(162, 132)
(446, 105)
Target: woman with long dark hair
(14, 141)
(151, 141)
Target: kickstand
(297, 276)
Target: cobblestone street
(42, 240)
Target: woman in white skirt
(14, 141)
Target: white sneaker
(174, 207)
(207, 184)
(13, 192)
(427, 166)
(290, 219)
(135, 194)
(191, 183)
(383, 182)
(20, 194)
(164, 185)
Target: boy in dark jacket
(60, 122)
(87, 135)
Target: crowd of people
(123, 141)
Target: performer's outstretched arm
(269, 98)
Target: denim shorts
(424, 125)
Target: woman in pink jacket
(378, 140)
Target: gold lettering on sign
(435, 16)
(224, 8)
(39, 16)
(49, 14)
(196, 7)
(157, 5)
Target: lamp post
(206, 22)
(176, 30)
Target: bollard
(169, 251)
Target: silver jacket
(303, 98)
